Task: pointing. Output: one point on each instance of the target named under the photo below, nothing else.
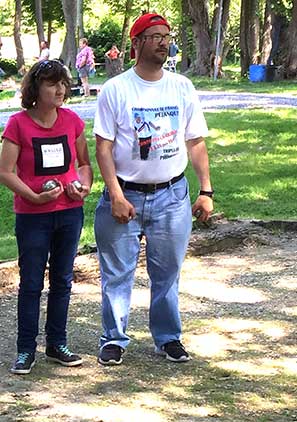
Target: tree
(126, 24)
(266, 41)
(17, 35)
(198, 10)
(48, 12)
(216, 27)
(39, 20)
(249, 34)
(69, 47)
(291, 62)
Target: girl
(47, 146)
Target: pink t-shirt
(45, 153)
(85, 56)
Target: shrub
(101, 39)
(9, 66)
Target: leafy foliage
(9, 66)
(101, 39)
(51, 11)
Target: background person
(42, 142)
(114, 53)
(114, 64)
(172, 56)
(44, 51)
(84, 63)
(147, 197)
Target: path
(239, 322)
(210, 101)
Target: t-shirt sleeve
(79, 124)
(105, 117)
(196, 126)
(11, 131)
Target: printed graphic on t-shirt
(155, 132)
(51, 155)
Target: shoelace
(65, 350)
(22, 357)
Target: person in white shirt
(44, 51)
(148, 121)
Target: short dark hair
(46, 70)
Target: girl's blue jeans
(47, 237)
(165, 219)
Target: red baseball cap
(142, 23)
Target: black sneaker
(24, 363)
(111, 355)
(61, 354)
(174, 351)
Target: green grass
(253, 156)
(244, 85)
(233, 82)
(6, 94)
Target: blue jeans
(165, 219)
(53, 235)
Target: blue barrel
(257, 72)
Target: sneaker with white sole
(61, 354)
(111, 354)
(23, 364)
(173, 351)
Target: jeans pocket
(105, 195)
(180, 190)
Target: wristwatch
(208, 193)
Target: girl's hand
(77, 193)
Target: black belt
(148, 187)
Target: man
(147, 197)
(44, 51)
(172, 52)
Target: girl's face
(51, 94)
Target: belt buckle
(151, 188)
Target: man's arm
(122, 210)
(199, 157)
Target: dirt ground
(239, 310)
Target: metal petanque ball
(49, 185)
(77, 185)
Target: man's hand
(122, 210)
(202, 208)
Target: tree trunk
(125, 30)
(39, 20)
(291, 62)
(198, 10)
(69, 46)
(49, 30)
(80, 19)
(249, 34)
(253, 31)
(17, 35)
(244, 54)
(215, 27)
(184, 36)
(266, 44)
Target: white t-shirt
(44, 54)
(149, 123)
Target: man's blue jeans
(53, 235)
(165, 218)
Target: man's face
(153, 45)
